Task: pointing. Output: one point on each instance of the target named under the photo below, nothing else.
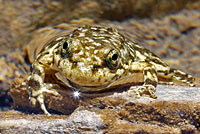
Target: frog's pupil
(114, 57)
(65, 45)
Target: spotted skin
(93, 59)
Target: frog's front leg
(37, 87)
(150, 79)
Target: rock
(79, 122)
(12, 65)
(175, 111)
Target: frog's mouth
(97, 90)
(126, 81)
(73, 85)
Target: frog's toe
(52, 92)
(38, 96)
(45, 89)
(151, 89)
(33, 101)
(48, 86)
(140, 90)
(40, 99)
(133, 91)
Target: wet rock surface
(78, 122)
(175, 111)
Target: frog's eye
(65, 45)
(112, 59)
(65, 50)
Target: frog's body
(94, 59)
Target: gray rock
(175, 111)
(81, 122)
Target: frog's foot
(182, 77)
(38, 96)
(140, 90)
(40, 100)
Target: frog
(96, 58)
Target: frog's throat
(73, 85)
(89, 88)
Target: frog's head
(91, 57)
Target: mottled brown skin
(92, 59)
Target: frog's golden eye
(65, 50)
(112, 59)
